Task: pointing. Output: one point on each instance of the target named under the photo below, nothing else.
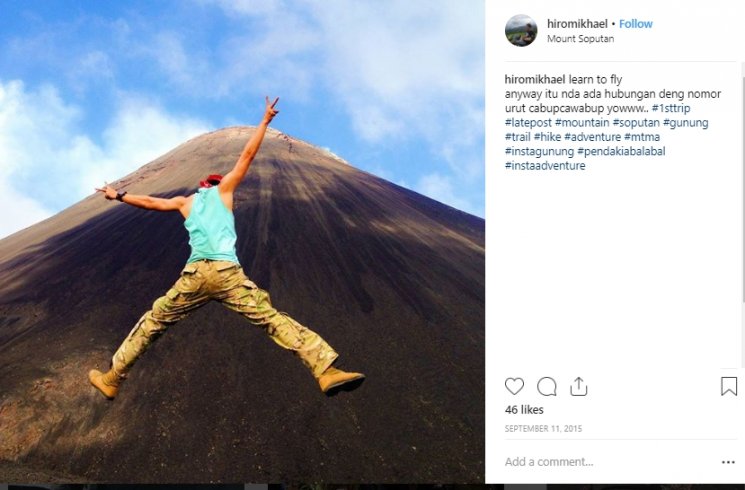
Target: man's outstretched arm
(231, 180)
(146, 202)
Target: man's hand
(270, 111)
(108, 192)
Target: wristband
(120, 196)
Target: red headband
(211, 180)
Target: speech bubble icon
(547, 386)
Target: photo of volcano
(392, 279)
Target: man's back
(211, 228)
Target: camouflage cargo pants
(225, 282)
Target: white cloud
(399, 67)
(20, 212)
(48, 163)
(247, 7)
(420, 63)
(279, 59)
(169, 51)
(139, 133)
(396, 72)
(402, 71)
(33, 126)
(185, 64)
(440, 188)
(373, 122)
(92, 67)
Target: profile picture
(521, 30)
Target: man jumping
(214, 273)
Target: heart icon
(514, 385)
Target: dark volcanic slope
(393, 280)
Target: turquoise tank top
(211, 228)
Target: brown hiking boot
(107, 383)
(333, 378)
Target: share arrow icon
(578, 387)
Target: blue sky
(92, 90)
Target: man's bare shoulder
(185, 203)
